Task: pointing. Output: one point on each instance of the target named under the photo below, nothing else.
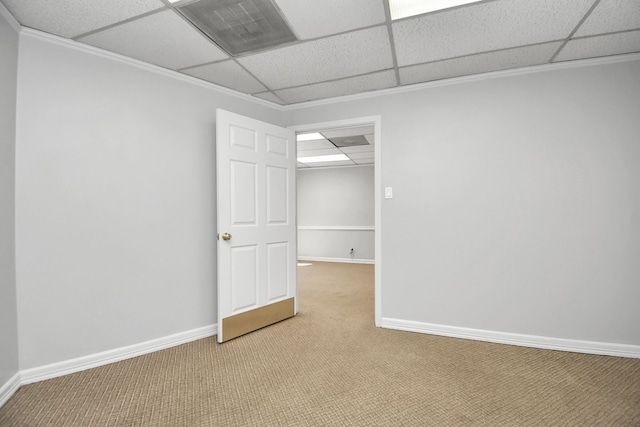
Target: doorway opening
(340, 161)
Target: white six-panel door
(257, 253)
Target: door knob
(226, 236)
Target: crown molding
(8, 16)
(578, 63)
(61, 41)
(95, 51)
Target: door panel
(244, 278)
(277, 268)
(277, 195)
(244, 139)
(277, 145)
(243, 193)
(257, 248)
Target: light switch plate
(388, 192)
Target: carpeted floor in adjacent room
(330, 366)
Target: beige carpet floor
(329, 366)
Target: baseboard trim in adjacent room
(549, 343)
(8, 388)
(66, 367)
(345, 260)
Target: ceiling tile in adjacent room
(364, 161)
(349, 131)
(357, 149)
(347, 86)
(314, 145)
(370, 138)
(591, 47)
(610, 16)
(349, 141)
(321, 18)
(70, 18)
(335, 57)
(482, 63)
(339, 163)
(359, 156)
(485, 26)
(162, 39)
(269, 96)
(320, 152)
(228, 74)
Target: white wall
(8, 310)
(515, 202)
(341, 197)
(516, 205)
(115, 203)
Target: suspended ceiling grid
(348, 47)
(360, 153)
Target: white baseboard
(8, 388)
(562, 344)
(345, 260)
(58, 369)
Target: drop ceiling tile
(357, 149)
(70, 18)
(347, 86)
(314, 145)
(319, 18)
(361, 156)
(485, 26)
(482, 63)
(320, 152)
(364, 161)
(591, 47)
(334, 57)
(370, 138)
(162, 39)
(302, 165)
(611, 16)
(228, 74)
(351, 131)
(338, 163)
(269, 96)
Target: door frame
(376, 121)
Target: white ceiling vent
(349, 141)
(240, 26)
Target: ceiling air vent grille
(348, 141)
(240, 26)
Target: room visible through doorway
(338, 194)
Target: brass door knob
(226, 236)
